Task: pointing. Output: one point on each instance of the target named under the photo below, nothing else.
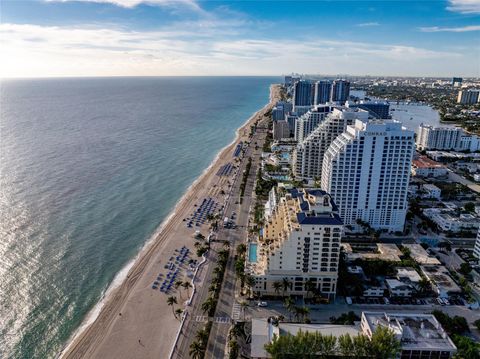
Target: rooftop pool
(252, 252)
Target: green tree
(310, 286)
(289, 304)
(197, 351)
(209, 305)
(465, 268)
(202, 337)
(178, 312)
(383, 344)
(286, 284)
(277, 285)
(469, 207)
(467, 348)
(172, 301)
(187, 285)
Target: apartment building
(300, 241)
(367, 170)
(307, 122)
(308, 155)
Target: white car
(262, 304)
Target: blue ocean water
(89, 168)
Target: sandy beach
(135, 321)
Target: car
(386, 301)
(348, 300)
(445, 300)
(262, 304)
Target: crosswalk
(236, 311)
(219, 320)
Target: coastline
(100, 318)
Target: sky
(58, 38)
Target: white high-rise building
(308, 155)
(310, 120)
(366, 170)
(300, 242)
(468, 97)
(438, 138)
(476, 248)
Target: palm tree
(196, 351)
(250, 282)
(208, 305)
(243, 305)
(186, 285)
(423, 285)
(202, 337)
(286, 284)
(310, 286)
(289, 304)
(171, 301)
(178, 312)
(277, 285)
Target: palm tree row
(171, 301)
(382, 345)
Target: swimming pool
(252, 252)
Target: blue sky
(187, 37)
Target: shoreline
(99, 318)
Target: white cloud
(464, 6)
(132, 3)
(450, 29)
(202, 49)
(368, 24)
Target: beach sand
(135, 321)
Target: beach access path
(136, 321)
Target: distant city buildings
(457, 81)
(299, 242)
(367, 170)
(308, 156)
(468, 97)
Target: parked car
(262, 304)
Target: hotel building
(322, 92)
(340, 91)
(310, 120)
(308, 155)
(300, 241)
(367, 170)
(303, 92)
(438, 138)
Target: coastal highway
(219, 332)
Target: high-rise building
(457, 81)
(280, 110)
(303, 92)
(322, 92)
(300, 242)
(280, 130)
(309, 121)
(291, 119)
(308, 155)
(476, 248)
(438, 138)
(366, 170)
(376, 109)
(340, 91)
(468, 97)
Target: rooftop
(425, 162)
(415, 331)
(420, 255)
(385, 251)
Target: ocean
(89, 168)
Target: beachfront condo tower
(307, 122)
(299, 244)
(303, 92)
(322, 91)
(308, 155)
(340, 91)
(366, 170)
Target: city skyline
(163, 37)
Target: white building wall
(367, 170)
